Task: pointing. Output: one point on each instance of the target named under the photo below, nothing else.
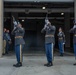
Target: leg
(50, 54)
(75, 52)
(18, 50)
(7, 47)
(20, 54)
(61, 48)
(47, 55)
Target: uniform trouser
(4, 46)
(74, 50)
(49, 52)
(18, 51)
(7, 46)
(61, 47)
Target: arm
(63, 34)
(7, 36)
(53, 28)
(72, 30)
(44, 29)
(13, 18)
(63, 37)
(58, 34)
(20, 29)
(14, 22)
(14, 31)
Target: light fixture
(62, 13)
(23, 20)
(43, 8)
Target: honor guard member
(49, 41)
(61, 41)
(19, 42)
(8, 42)
(73, 30)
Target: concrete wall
(1, 26)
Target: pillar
(67, 28)
(75, 10)
(40, 36)
(1, 27)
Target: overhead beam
(53, 10)
(38, 0)
(39, 18)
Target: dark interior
(34, 39)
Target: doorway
(32, 17)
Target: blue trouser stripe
(49, 52)
(61, 47)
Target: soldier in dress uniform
(8, 41)
(49, 41)
(73, 30)
(19, 43)
(61, 41)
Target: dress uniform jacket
(73, 30)
(4, 36)
(61, 37)
(50, 31)
(19, 33)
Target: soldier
(49, 41)
(4, 41)
(61, 41)
(19, 42)
(73, 30)
(8, 41)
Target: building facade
(67, 15)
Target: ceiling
(35, 9)
(38, 4)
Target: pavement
(34, 65)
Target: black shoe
(6, 52)
(20, 64)
(50, 64)
(3, 54)
(61, 54)
(17, 65)
(46, 64)
(74, 64)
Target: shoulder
(75, 28)
(53, 26)
(22, 28)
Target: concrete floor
(33, 65)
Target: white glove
(15, 23)
(63, 43)
(45, 26)
(74, 26)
